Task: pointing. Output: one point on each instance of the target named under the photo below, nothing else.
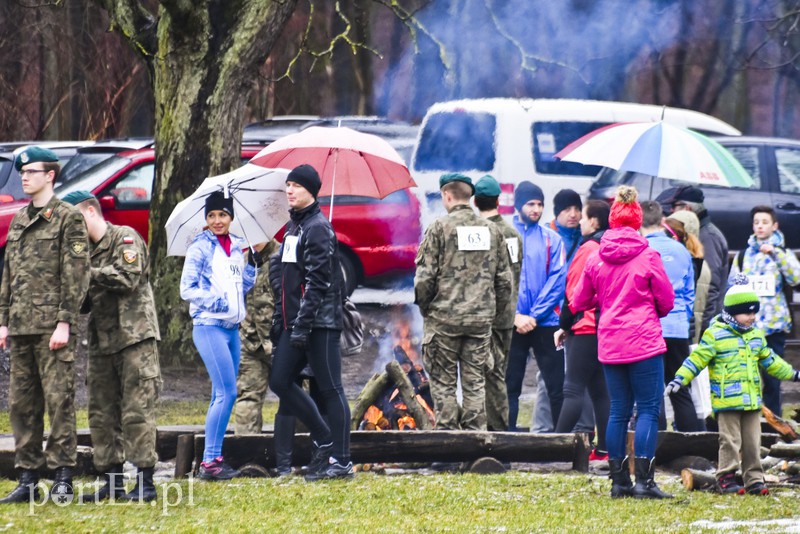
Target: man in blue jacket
(541, 288)
(675, 326)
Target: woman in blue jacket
(214, 281)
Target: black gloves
(254, 258)
(299, 338)
(275, 332)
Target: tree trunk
(202, 56)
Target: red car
(378, 238)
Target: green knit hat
(741, 298)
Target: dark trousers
(584, 372)
(322, 354)
(551, 365)
(682, 406)
(771, 392)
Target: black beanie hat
(307, 176)
(217, 201)
(525, 192)
(564, 199)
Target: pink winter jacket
(626, 281)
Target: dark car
(774, 165)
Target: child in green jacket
(733, 349)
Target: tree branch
(135, 23)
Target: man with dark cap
(567, 206)
(487, 194)
(124, 374)
(463, 281)
(45, 279)
(715, 246)
(306, 327)
(541, 289)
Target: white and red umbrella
(348, 162)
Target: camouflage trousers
(446, 351)
(251, 387)
(42, 379)
(496, 392)
(123, 389)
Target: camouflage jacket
(46, 270)
(260, 301)
(463, 276)
(513, 241)
(122, 304)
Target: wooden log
(694, 480)
(400, 379)
(409, 446)
(486, 466)
(785, 450)
(372, 390)
(781, 426)
(580, 462)
(184, 455)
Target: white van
(516, 139)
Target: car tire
(349, 273)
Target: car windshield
(457, 141)
(81, 162)
(550, 137)
(92, 178)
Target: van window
(550, 137)
(747, 155)
(788, 160)
(457, 141)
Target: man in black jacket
(307, 325)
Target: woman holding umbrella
(214, 281)
(307, 325)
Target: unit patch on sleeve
(77, 246)
(129, 256)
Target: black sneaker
(319, 458)
(728, 484)
(757, 488)
(333, 470)
(217, 469)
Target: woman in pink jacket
(626, 281)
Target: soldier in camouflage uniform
(124, 375)
(256, 358)
(463, 281)
(487, 194)
(45, 278)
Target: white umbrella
(260, 208)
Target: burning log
(373, 389)
(401, 380)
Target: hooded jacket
(782, 266)
(214, 283)
(626, 280)
(733, 359)
(305, 274)
(680, 270)
(544, 272)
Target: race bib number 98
(473, 238)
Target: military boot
(61, 491)
(113, 488)
(27, 489)
(620, 475)
(283, 439)
(145, 489)
(646, 487)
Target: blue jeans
(641, 382)
(220, 350)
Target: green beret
(455, 177)
(487, 187)
(76, 197)
(32, 154)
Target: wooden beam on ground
(184, 455)
(412, 446)
(694, 480)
